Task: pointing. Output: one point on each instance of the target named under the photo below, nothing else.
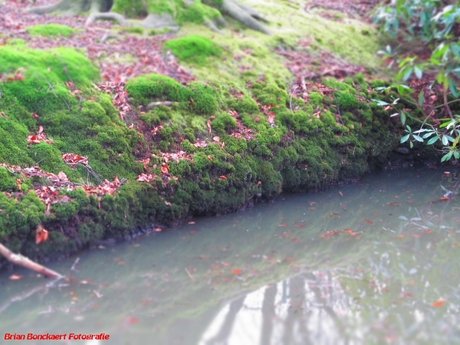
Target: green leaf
(446, 157)
(454, 145)
(404, 138)
(403, 117)
(380, 103)
(418, 72)
(445, 141)
(418, 138)
(453, 88)
(432, 140)
(421, 98)
(408, 73)
(457, 155)
(450, 138)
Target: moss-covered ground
(115, 158)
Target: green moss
(316, 98)
(197, 97)
(7, 181)
(150, 87)
(346, 101)
(223, 123)
(244, 105)
(196, 13)
(48, 157)
(203, 99)
(270, 94)
(134, 30)
(40, 86)
(193, 49)
(53, 30)
(334, 83)
(132, 9)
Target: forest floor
(131, 55)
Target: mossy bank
(181, 150)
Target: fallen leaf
(394, 203)
(15, 277)
(237, 271)
(41, 234)
(439, 303)
(369, 221)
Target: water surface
(375, 262)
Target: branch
(21, 260)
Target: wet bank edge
(212, 149)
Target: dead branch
(21, 260)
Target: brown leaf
(41, 234)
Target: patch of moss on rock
(197, 97)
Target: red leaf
(439, 303)
(41, 234)
(237, 271)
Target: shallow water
(369, 263)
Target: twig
(107, 36)
(444, 104)
(189, 274)
(152, 105)
(75, 264)
(27, 263)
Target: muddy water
(370, 263)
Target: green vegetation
(193, 49)
(213, 150)
(53, 30)
(200, 98)
(236, 137)
(432, 25)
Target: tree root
(160, 21)
(67, 7)
(107, 16)
(100, 9)
(244, 15)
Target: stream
(375, 262)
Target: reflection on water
(370, 263)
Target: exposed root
(211, 25)
(100, 9)
(244, 15)
(160, 21)
(65, 6)
(107, 16)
